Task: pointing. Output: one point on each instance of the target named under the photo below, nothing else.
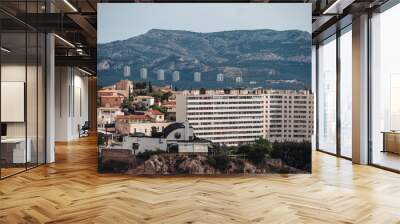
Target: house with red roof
(156, 115)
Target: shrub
(113, 166)
(218, 161)
(294, 154)
(101, 138)
(218, 157)
(161, 109)
(221, 161)
(257, 152)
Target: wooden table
(14, 150)
(391, 141)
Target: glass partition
(327, 95)
(14, 155)
(385, 89)
(22, 92)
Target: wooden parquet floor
(71, 191)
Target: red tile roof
(154, 112)
(141, 117)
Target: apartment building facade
(110, 98)
(234, 117)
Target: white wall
(71, 103)
(181, 108)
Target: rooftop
(154, 112)
(145, 97)
(243, 92)
(109, 108)
(134, 117)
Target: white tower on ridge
(160, 75)
(197, 77)
(127, 71)
(220, 77)
(143, 73)
(175, 76)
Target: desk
(391, 141)
(13, 150)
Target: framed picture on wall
(13, 101)
(204, 89)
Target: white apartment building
(147, 101)
(107, 115)
(234, 117)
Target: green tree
(258, 152)
(294, 154)
(219, 159)
(156, 94)
(127, 106)
(161, 109)
(166, 96)
(98, 102)
(101, 138)
(150, 87)
(141, 85)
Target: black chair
(84, 130)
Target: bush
(101, 138)
(140, 85)
(170, 117)
(161, 109)
(166, 96)
(112, 166)
(294, 154)
(257, 152)
(219, 161)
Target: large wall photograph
(204, 88)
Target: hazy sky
(119, 21)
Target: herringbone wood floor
(71, 191)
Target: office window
(385, 89)
(327, 95)
(346, 92)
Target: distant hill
(255, 55)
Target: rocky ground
(166, 164)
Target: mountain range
(262, 58)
